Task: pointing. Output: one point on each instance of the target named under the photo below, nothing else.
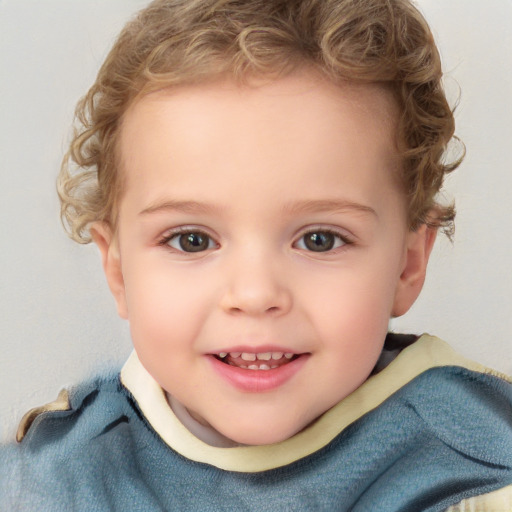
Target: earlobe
(419, 246)
(103, 237)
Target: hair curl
(173, 42)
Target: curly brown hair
(173, 42)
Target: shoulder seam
(62, 403)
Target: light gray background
(58, 322)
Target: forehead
(222, 131)
(313, 92)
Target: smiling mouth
(256, 361)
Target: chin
(266, 434)
(260, 439)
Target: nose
(256, 285)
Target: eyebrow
(328, 206)
(180, 206)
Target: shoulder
(468, 410)
(460, 413)
(79, 411)
(66, 445)
(61, 403)
(466, 405)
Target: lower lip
(258, 381)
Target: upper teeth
(262, 356)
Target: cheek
(165, 308)
(355, 320)
(165, 327)
(351, 327)
(351, 307)
(351, 294)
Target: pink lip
(258, 381)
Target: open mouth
(256, 361)
(273, 368)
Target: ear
(418, 248)
(103, 237)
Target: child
(260, 178)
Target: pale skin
(261, 219)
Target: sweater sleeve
(497, 501)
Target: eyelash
(343, 238)
(185, 230)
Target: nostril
(256, 300)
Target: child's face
(261, 220)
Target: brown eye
(320, 241)
(195, 241)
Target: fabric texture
(444, 436)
